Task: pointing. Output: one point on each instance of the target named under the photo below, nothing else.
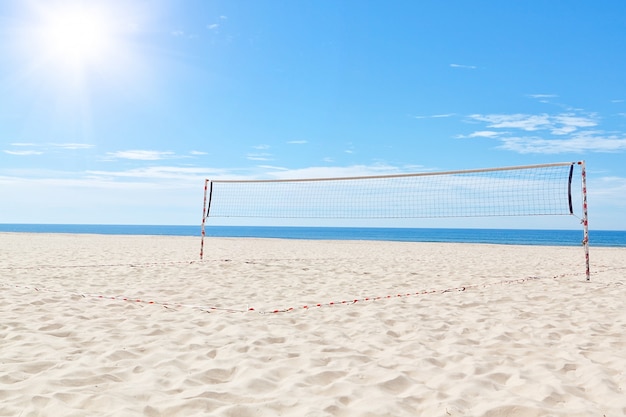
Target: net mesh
(515, 191)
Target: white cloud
(482, 134)
(527, 122)
(435, 116)
(23, 153)
(69, 145)
(542, 95)
(103, 199)
(198, 153)
(141, 155)
(560, 133)
(259, 156)
(463, 66)
(584, 142)
(157, 173)
(567, 123)
(183, 34)
(73, 145)
(563, 130)
(273, 167)
(340, 172)
(559, 124)
(261, 147)
(213, 26)
(297, 142)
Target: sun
(75, 52)
(70, 40)
(76, 37)
(71, 60)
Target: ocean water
(497, 236)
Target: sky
(115, 111)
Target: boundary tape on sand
(132, 265)
(302, 307)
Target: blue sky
(115, 111)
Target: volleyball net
(531, 190)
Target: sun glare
(74, 51)
(71, 56)
(76, 37)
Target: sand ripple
(547, 347)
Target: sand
(137, 326)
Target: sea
(604, 238)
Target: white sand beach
(94, 325)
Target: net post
(585, 220)
(206, 181)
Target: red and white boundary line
(305, 307)
(125, 298)
(398, 295)
(132, 265)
